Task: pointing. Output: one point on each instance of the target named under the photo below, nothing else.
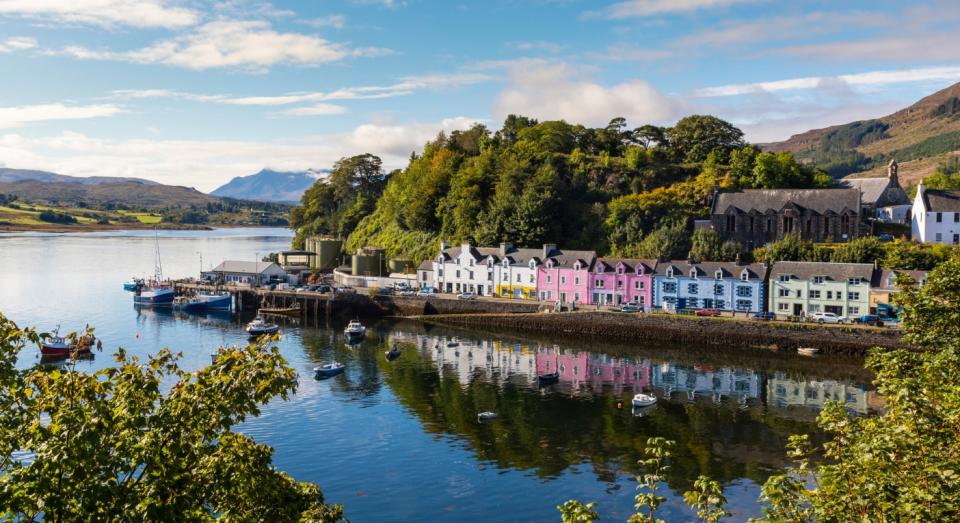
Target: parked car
(765, 316)
(466, 296)
(324, 288)
(826, 317)
(630, 308)
(407, 292)
(885, 237)
(425, 293)
(708, 312)
(869, 319)
(385, 291)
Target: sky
(196, 93)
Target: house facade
(615, 281)
(758, 216)
(726, 286)
(803, 288)
(463, 269)
(564, 275)
(515, 271)
(935, 216)
(425, 275)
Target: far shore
(94, 227)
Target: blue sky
(195, 93)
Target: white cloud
(315, 110)
(785, 27)
(135, 13)
(550, 91)
(334, 21)
(862, 80)
(207, 164)
(25, 114)
(17, 43)
(642, 8)
(245, 45)
(897, 47)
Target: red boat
(59, 346)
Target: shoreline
(91, 227)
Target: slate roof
(630, 264)
(564, 258)
(941, 201)
(881, 278)
(243, 267)
(820, 201)
(521, 256)
(708, 269)
(832, 271)
(426, 265)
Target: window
(743, 305)
(798, 294)
(844, 224)
(744, 276)
(826, 225)
(693, 274)
(670, 301)
(619, 284)
(670, 287)
(691, 303)
(708, 303)
(440, 272)
(783, 307)
(721, 304)
(731, 223)
(638, 285)
(751, 224)
(599, 269)
(784, 277)
(619, 270)
(830, 295)
(471, 262)
(854, 281)
(670, 272)
(598, 283)
(533, 279)
(641, 300)
(784, 293)
(939, 237)
(939, 217)
(956, 217)
(576, 296)
(818, 279)
(853, 310)
(458, 273)
(853, 296)
(718, 275)
(518, 278)
(548, 278)
(718, 289)
(576, 280)
(489, 276)
(815, 295)
(744, 291)
(693, 288)
(469, 275)
(563, 280)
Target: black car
(869, 319)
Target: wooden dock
(313, 305)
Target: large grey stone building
(754, 217)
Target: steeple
(892, 169)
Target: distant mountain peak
(270, 185)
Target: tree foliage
(115, 445)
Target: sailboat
(154, 293)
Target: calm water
(400, 442)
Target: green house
(803, 288)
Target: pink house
(616, 281)
(564, 275)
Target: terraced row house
(578, 277)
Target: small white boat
(355, 329)
(486, 416)
(328, 370)
(808, 351)
(258, 327)
(644, 400)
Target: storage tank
(327, 252)
(368, 262)
(404, 265)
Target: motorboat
(808, 351)
(642, 412)
(548, 378)
(393, 353)
(328, 370)
(258, 327)
(203, 302)
(486, 416)
(153, 295)
(644, 400)
(55, 346)
(132, 284)
(355, 330)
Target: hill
(19, 175)
(268, 185)
(919, 137)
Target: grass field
(142, 217)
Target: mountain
(138, 193)
(268, 185)
(919, 137)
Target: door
(518, 293)
(797, 309)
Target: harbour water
(400, 441)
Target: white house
(936, 216)
(246, 273)
(504, 271)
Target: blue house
(727, 286)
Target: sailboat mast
(157, 266)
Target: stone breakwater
(830, 339)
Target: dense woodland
(614, 189)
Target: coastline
(94, 227)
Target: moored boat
(644, 400)
(393, 353)
(285, 311)
(355, 330)
(132, 284)
(153, 295)
(486, 416)
(548, 378)
(55, 346)
(216, 301)
(328, 370)
(808, 351)
(258, 327)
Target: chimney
(738, 259)
(444, 245)
(505, 247)
(547, 249)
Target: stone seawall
(830, 339)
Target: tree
(705, 245)
(862, 250)
(144, 440)
(694, 137)
(669, 242)
(790, 248)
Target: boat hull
(154, 297)
(261, 331)
(321, 373)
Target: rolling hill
(920, 137)
(268, 185)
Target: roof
(521, 256)
(832, 271)
(820, 201)
(426, 265)
(295, 253)
(881, 278)
(562, 258)
(630, 263)
(245, 267)
(941, 201)
(708, 269)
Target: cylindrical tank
(403, 265)
(368, 262)
(328, 253)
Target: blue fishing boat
(132, 284)
(203, 302)
(328, 370)
(154, 292)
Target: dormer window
(576, 266)
(471, 262)
(818, 279)
(693, 273)
(784, 277)
(670, 272)
(599, 269)
(533, 264)
(718, 275)
(890, 281)
(744, 275)
(490, 262)
(506, 263)
(854, 281)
